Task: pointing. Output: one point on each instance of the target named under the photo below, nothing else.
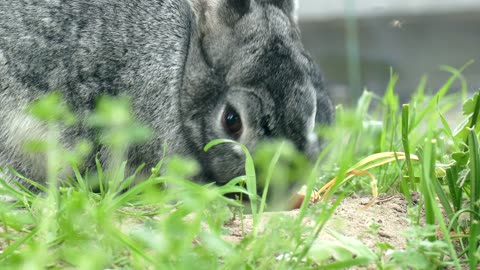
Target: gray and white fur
(194, 70)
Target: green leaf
(50, 108)
(461, 158)
(469, 105)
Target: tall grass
(377, 147)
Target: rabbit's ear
(212, 14)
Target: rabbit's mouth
(225, 175)
(219, 171)
(278, 197)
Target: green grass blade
(440, 93)
(132, 246)
(455, 190)
(28, 181)
(8, 190)
(16, 245)
(80, 180)
(129, 181)
(476, 112)
(443, 198)
(446, 127)
(406, 148)
(433, 213)
(320, 223)
(250, 175)
(100, 176)
(474, 198)
(311, 183)
(271, 167)
(390, 102)
(428, 171)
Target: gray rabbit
(194, 70)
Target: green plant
(376, 147)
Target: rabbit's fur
(181, 62)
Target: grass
(380, 146)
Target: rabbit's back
(85, 49)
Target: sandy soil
(350, 219)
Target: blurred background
(358, 42)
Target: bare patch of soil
(350, 219)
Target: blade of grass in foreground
(311, 184)
(132, 246)
(320, 223)
(454, 188)
(406, 148)
(251, 178)
(271, 167)
(428, 176)
(15, 246)
(432, 209)
(474, 198)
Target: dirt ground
(350, 219)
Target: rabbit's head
(248, 78)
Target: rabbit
(194, 70)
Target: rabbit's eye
(232, 123)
